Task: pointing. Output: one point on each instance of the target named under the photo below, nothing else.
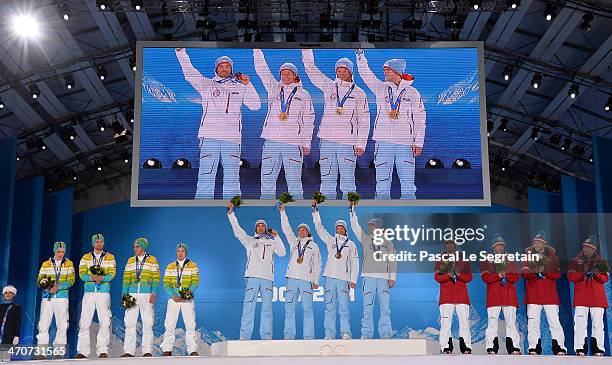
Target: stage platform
(325, 348)
(342, 360)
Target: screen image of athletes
(399, 124)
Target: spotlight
(573, 91)
(137, 4)
(586, 22)
(606, 107)
(26, 26)
(462, 163)
(69, 81)
(181, 163)
(65, 11)
(536, 81)
(504, 125)
(535, 133)
(101, 70)
(70, 133)
(126, 157)
(98, 165)
(103, 4)
(550, 11)
(507, 72)
(591, 158)
(513, 4)
(34, 91)
(505, 164)
(475, 4)
(489, 127)
(18, 158)
(129, 115)
(2, 104)
(152, 163)
(132, 63)
(555, 139)
(434, 163)
(121, 134)
(566, 144)
(578, 149)
(101, 125)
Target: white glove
(15, 340)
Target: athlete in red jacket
(453, 277)
(541, 293)
(589, 273)
(501, 296)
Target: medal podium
(356, 347)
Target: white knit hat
(10, 289)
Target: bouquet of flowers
(501, 266)
(318, 197)
(445, 267)
(285, 198)
(45, 282)
(185, 294)
(96, 270)
(237, 201)
(538, 264)
(353, 197)
(127, 301)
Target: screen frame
(484, 145)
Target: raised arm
(287, 230)
(356, 227)
(315, 75)
(192, 75)
(251, 98)
(363, 121)
(238, 231)
(308, 118)
(418, 117)
(263, 71)
(321, 231)
(366, 74)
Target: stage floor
(345, 360)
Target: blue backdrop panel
(602, 155)
(25, 246)
(7, 192)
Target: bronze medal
(300, 260)
(340, 110)
(393, 114)
(338, 255)
(283, 116)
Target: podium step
(325, 347)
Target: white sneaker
(346, 336)
(328, 338)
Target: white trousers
(534, 312)
(100, 303)
(446, 320)
(581, 317)
(145, 309)
(493, 321)
(57, 307)
(172, 313)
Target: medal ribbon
(286, 104)
(179, 273)
(339, 250)
(140, 266)
(395, 104)
(57, 273)
(4, 320)
(227, 79)
(339, 103)
(299, 247)
(97, 262)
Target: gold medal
(338, 255)
(300, 260)
(394, 114)
(340, 110)
(283, 116)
